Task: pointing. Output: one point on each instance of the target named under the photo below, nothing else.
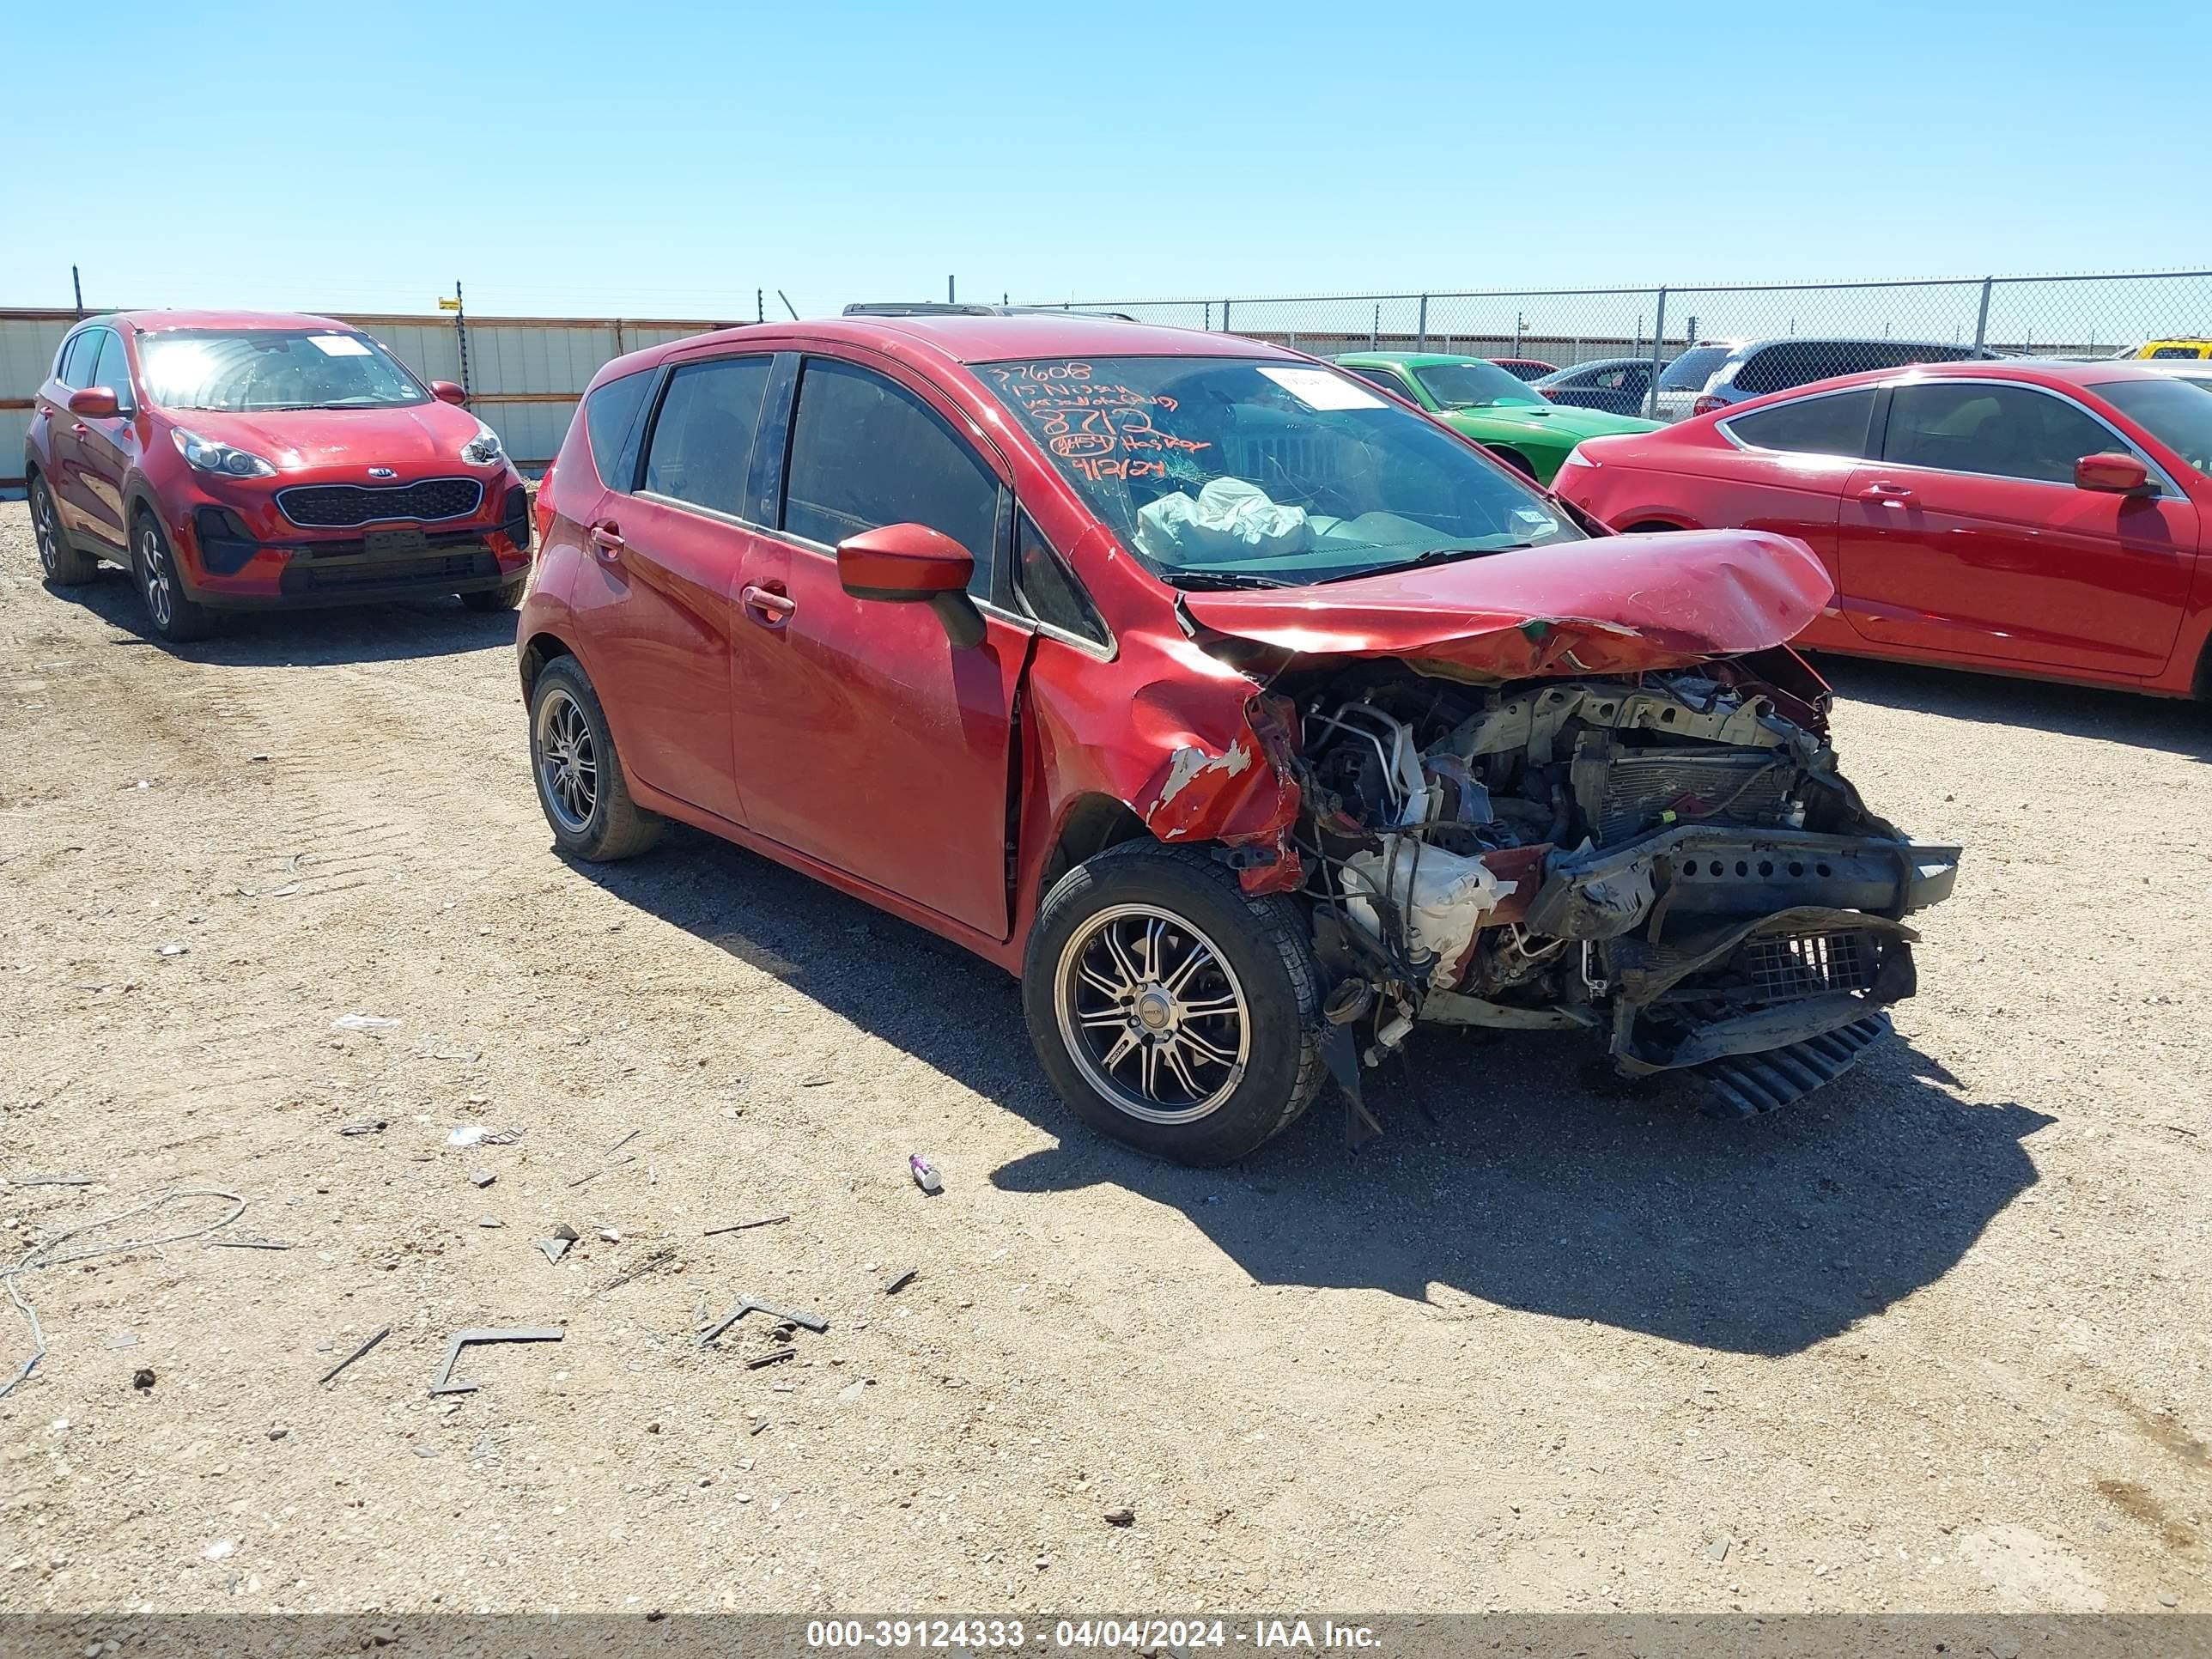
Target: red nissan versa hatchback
(1248, 715)
(2043, 519)
(231, 459)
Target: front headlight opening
(482, 449)
(208, 456)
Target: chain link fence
(2090, 316)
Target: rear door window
(610, 416)
(2002, 431)
(702, 447)
(866, 452)
(1811, 426)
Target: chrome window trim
(1726, 426)
(2167, 488)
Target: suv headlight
(209, 456)
(482, 449)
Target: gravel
(1936, 1338)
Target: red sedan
(2046, 519)
(1250, 716)
(234, 460)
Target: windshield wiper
(1201, 580)
(1434, 555)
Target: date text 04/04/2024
(1089, 1634)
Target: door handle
(79, 427)
(606, 537)
(1896, 495)
(770, 606)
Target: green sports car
(1499, 411)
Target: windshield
(273, 368)
(2178, 412)
(1473, 385)
(1237, 471)
(1690, 371)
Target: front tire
(1173, 1011)
(505, 597)
(176, 617)
(64, 567)
(580, 777)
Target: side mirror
(2113, 473)
(446, 392)
(94, 403)
(911, 564)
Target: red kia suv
(233, 459)
(1247, 714)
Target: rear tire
(578, 775)
(1173, 1011)
(176, 617)
(64, 567)
(504, 597)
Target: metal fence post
(1658, 354)
(1224, 316)
(1424, 345)
(1982, 322)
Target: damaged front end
(1669, 859)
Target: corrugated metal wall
(525, 374)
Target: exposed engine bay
(1669, 859)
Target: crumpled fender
(1241, 795)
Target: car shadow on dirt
(389, 632)
(1515, 1170)
(2078, 711)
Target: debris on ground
(1123, 1516)
(467, 1134)
(373, 1126)
(174, 949)
(555, 1245)
(925, 1173)
(619, 1145)
(769, 1357)
(481, 1178)
(355, 1354)
(741, 1226)
(363, 1023)
(246, 1244)
(813, 1323)
(658, 1259)
(56, 1181)
(460, 1340)
(143, 1380)
(898, 1281)
(594, 1175)
(50, 1254)
(489, 1221)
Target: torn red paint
(1242, 796)
(1612, 604)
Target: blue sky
(654, 159)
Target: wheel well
(2204, 673)
(1512, 458)
(1643, 526)
(1094, 823)
(542, 649)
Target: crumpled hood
(296, 439)
(1610, 604)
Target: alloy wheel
(156, 577)
(567, 761)
(44, 527)
(1152, 1013)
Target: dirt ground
(1936, 1339)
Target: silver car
(1714, 374)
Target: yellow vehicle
(2173, 349)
